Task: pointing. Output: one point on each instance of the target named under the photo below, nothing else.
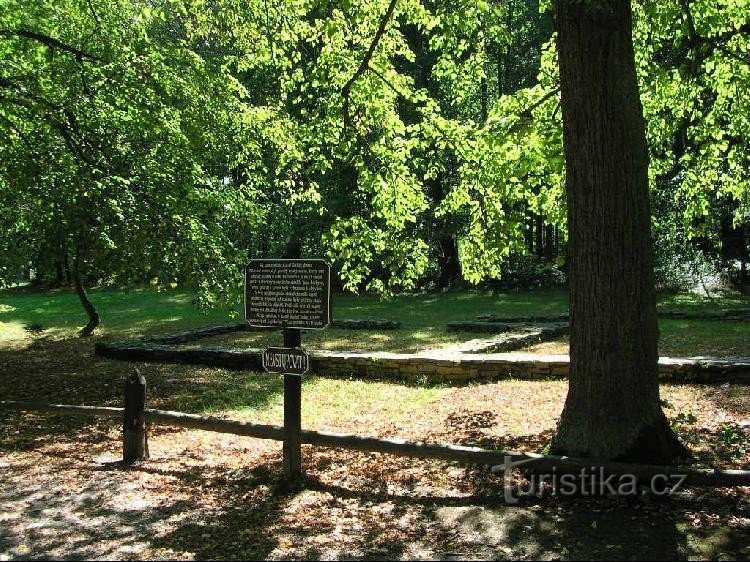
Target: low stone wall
(365, 324)
(158, 353)
(466, 367)
(440, 366)
(433, 365)
(513, 336)
(736, 314)
(527, 318)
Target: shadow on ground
(167, 509)
(215, 497)
(64, 371)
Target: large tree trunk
(612, 410)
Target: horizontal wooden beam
(164, 417)
(541, 464)
(102, 411)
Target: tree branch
(364, 65)
(388, 83)
(50, 42)
(527, 112)
(67, 129)
(685, 6)
(716, 42)
(93, 13)
(72, 145)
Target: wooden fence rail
(472, 455)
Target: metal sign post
(292, 294)
(292, 413)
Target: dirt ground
(201, 495)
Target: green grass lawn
(124, 314)
(127, 314)
(146, 311)
(687, 338)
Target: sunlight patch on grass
(13, 332)
(695, 302)
(684, 338)
(329, 402)
(220, 392)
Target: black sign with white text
(286, 360)
(288, 293)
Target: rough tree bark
(135, 435)
(612, 410)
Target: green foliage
(733, 439)
(173, 140)
(118, 146)
(684, 418)
(692, 64)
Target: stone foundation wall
(468, 367)
(434, 366)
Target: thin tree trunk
(612, 410)
(530, 231)
(500, 73)
(549, 241)
(484, 112)
(66, 265)
(450, 267)
(293, 247)
(743, 257)
(88, 306)
(59, 273)
(539, 233)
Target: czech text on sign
(286, 360)
(288, 293)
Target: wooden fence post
(134, 438)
